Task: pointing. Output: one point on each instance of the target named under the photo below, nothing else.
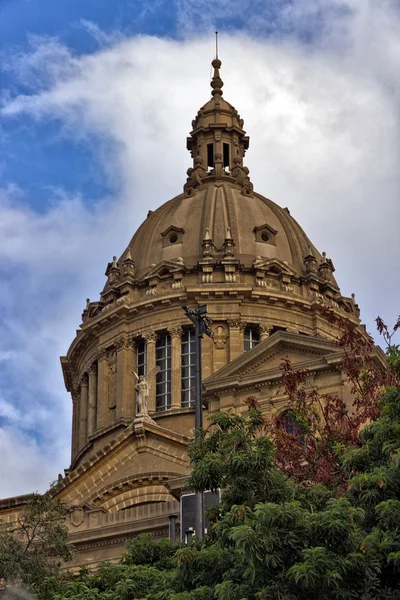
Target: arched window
(163, 381)
(251, 338)
(289, 422)
(188, 365)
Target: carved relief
(235, 323)
(76, 516)
(175, 332)
(122, 343)
(150, 336)
(220, 337)
(264, 330)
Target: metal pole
(201, 325)
(198, 424)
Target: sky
(96, 101)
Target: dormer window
(172, 236)
(265, 234)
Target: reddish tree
(317, 429)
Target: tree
(322, 426)
(33, 547)
(275, 534)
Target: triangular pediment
(163, 268)
(142, 458)
(274, 265)
(302, 351)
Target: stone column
(235, 339)
(83, 412)
(92, 398)
(102, 388)
(176, 334)
(125, 366)
(151, 339)
(265, 330)
(75, 423)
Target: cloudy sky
(97, 98)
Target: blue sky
(96, 101)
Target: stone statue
(143, 387)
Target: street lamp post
(201, 326)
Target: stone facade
(218, 243)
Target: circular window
(265, 236)
(173, 238)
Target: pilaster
(151, 338)
(83, 412)
(125, 391)
(176, 334)
(75, 423)
(102, 388)
(235, 339)
(92, 374)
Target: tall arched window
(188, 362)
(163, 381)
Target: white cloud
(324, 125)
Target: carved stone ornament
(122, 343)
(150, 336)
(265, 330)
(77, 516)
(194, 176)
(241, 176)
(220, 337)
(175, 332)
(234, 323)
(102, 353)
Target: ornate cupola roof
(217, 142)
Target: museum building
(131, 366)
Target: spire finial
(216, 82)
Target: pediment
(143, 456)
(274, 265)
(164, 268)
(268, 355)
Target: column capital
(234, 323)
(122, 343)
(102, 353)
(175, 331)
(92, 368)
(150, 336)
(83, 382)
(264, 329)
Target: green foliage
(235, 457)
(272, 538)
(143, 550)
(33, 548)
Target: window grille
(251, 338)
(141, 358)
(188, 366)
(163, 381)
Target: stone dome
(219, 215)
(258, 228)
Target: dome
(219, 215)
(258, 228)
(218, 242)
